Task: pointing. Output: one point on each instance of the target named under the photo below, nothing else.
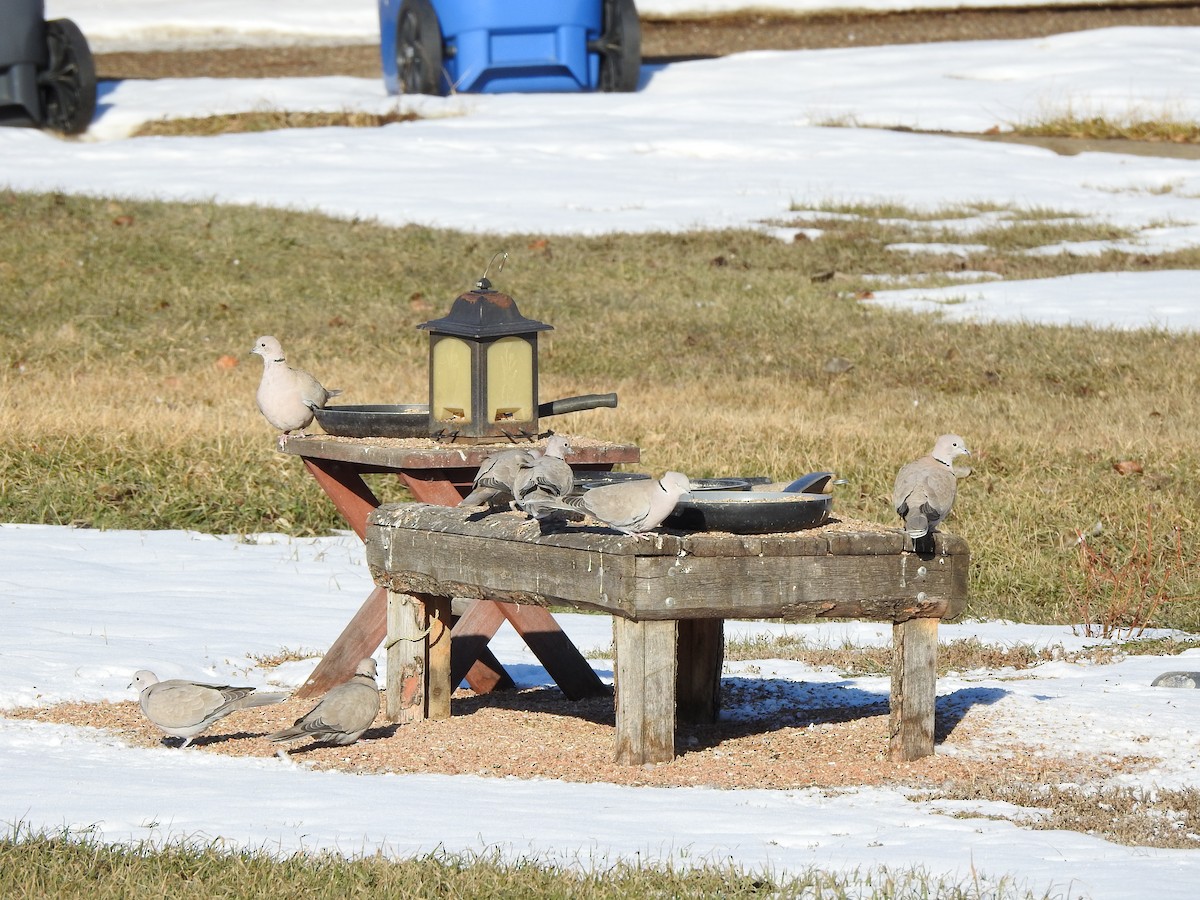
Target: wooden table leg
(700, 657)
(432, 488)
(645, 701)
(418, 657)
(914, 688)
(349, 493)
(554, 650)
(362, 636)
(438, 683)
(469, 654)
(359, 639)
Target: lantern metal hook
(483, 283)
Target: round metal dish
(599, 479)
(585, 481)
(749, 512)
(379, 420)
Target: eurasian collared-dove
(544, 481)
(185, 708)
(925, 488)
(342, 715)
(494, 480)
(286, 396)
(633, 507)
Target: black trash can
(47, 76)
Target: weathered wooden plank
(914, 689)
(883, 587)
(869, 590)
(407, 658)
(349, 493)
(503, 525)
(438, 684)
(359, 639)
(699, 659)
(554, 650)
(517, 568)
(888, 587)
(393, 454)
(645, 696)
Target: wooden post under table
(914, 689)
(645, 695)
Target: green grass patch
(50, 866)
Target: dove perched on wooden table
(633, 507)
(342, 715)
(493, 482)
(185, 708)
(925, 488)
(286, 396)
(544, 481)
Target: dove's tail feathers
(478, 497)
(570, 504)
(333, 393)
(256, 699)
(916, 523)
(287, 734)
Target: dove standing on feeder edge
(286, 396)
(540, 484)
(184, 709)
(493, 484)
(633, 507)
(925, 489)
(342, 715)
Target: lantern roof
(483, 313)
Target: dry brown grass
(270, 120)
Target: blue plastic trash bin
(495, 46)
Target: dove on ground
(539, 484)
(925, 488)
(633, 507)
(342, 715)
(185, 708)
(286, 396)
(493, 482)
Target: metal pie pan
(584, 482)
(749, 512)
(379, 420)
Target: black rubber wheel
(67, 88)
(620, 47)
(419, 48)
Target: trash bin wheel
(418, 48)
(620, 47)
(67, 87)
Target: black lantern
(483, 372)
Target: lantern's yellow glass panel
(510, 380)
(451, 380)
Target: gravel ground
(539, 734)
(664, 40)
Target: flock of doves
(535, 482)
